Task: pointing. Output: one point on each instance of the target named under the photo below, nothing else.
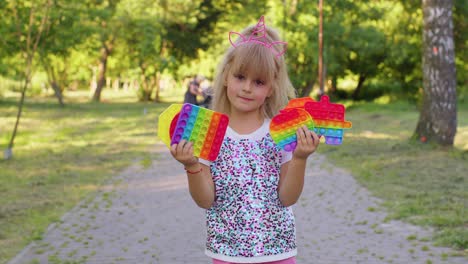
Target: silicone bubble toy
(298, 102)
(329, 119)
(283, 127)
(166, 122)
(203, 127)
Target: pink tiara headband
(258, 36)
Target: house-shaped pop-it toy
(298, 102)
(283, 127)
(326, 119)
(329, 119)
(203, 127)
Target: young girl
(249, 188)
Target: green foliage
(378, 40)
(419, 183)
(218, 18)
(460, 17)
(403, 65)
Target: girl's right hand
(183, 153)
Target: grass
(62, 155)
(419, 183)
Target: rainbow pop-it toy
(329, 119)
(298, 102)
(166, 123)
(283, 127)
(203, 127)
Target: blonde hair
(259, 61)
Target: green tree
(366, 54)
(63, 33)
(215, 20)
(24, 25)
(102, 22)
(352, 43)
(144, 38)
(300, 30)
(403, 64)
(460, 35)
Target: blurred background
(82, 83)
(371, 49)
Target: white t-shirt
(247, 222)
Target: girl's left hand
(307, 143)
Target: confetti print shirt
(247, 222)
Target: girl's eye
(239, 76)
(259, 83)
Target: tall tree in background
(102, 16)
(438, 116)
(63, 33)
(29, 22)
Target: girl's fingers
(183, 152)
(180, 148)
(316, 138)
(181, 145)
(188, 149)
(184, 148)
(174, 149)
(303, 132)
(303, 135)
(307, 136)
(300, 136)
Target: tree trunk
(308, 89)
(52, 78)
(357, 91)
(102, 73)
(332, 86)
(156, 97)
(9, 150)
(93, 82)
(32, 42)
(438, 115)
(58, 92)
(146, 88)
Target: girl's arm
(201, 185)
(292, 173)
(200, 181)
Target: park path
(147, 216)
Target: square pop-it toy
(203, 127)
(283, 127)
(329, 119)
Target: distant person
(207, 93)
(193, 90)
(249, 189)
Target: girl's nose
(247, 87)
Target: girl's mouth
(245, 98)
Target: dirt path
(147, 216)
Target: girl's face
(246, 93)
